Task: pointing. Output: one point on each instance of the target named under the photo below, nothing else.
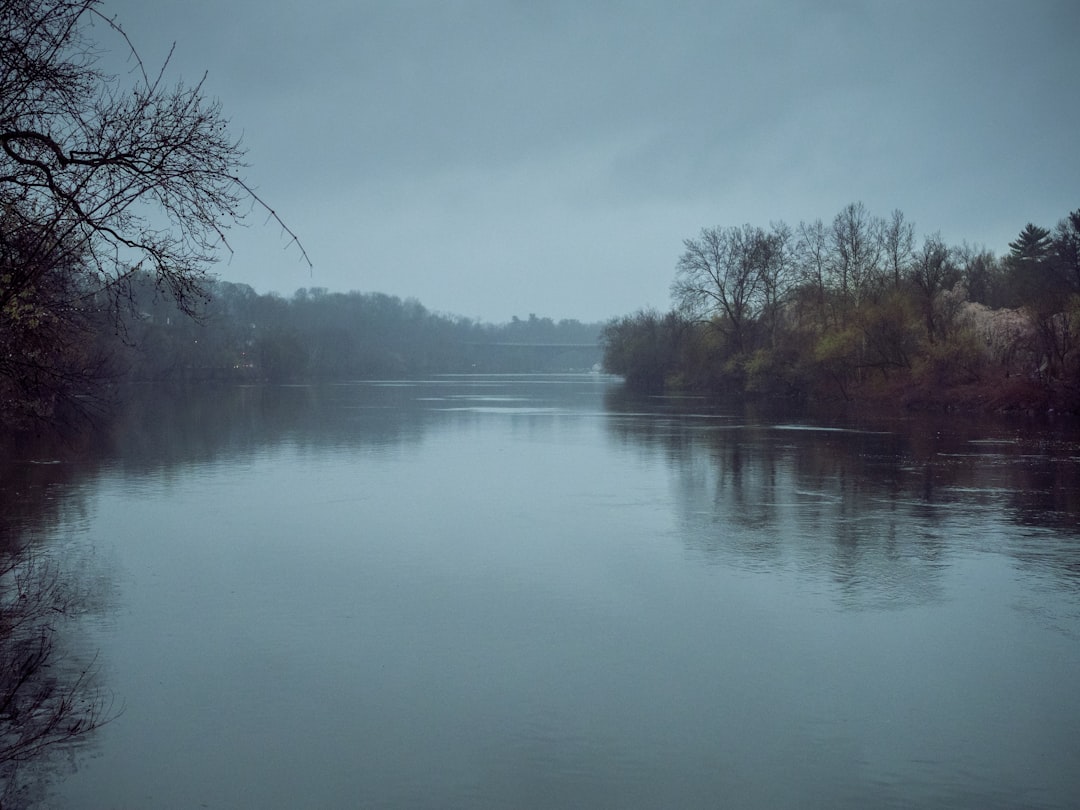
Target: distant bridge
(521, 356)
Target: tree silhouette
(103, 176)
(1033, 243)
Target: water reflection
(51, 696)
(49, 578)
(500, 592)
(160, 429)
(879, 507)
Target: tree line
(316, 334)
(859, 308)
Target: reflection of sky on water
(357, 594)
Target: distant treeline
(321, 335)
(857, 309)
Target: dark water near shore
(493, 592)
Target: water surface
(491, 592)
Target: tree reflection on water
(51, 697)
(877, 506)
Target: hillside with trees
(859, 309)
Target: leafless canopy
(125, 173)
(733, 276)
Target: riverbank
(1001, 395)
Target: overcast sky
(495, 159)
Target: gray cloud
(493, 158)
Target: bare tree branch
(107, 176)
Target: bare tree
(112, 175)
(719, 277)
(856, 254)
(897, 245)
(812, 259)
(1065, 250)
(776, 266)
(933, 270)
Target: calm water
(532, 592)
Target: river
(539, 592)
